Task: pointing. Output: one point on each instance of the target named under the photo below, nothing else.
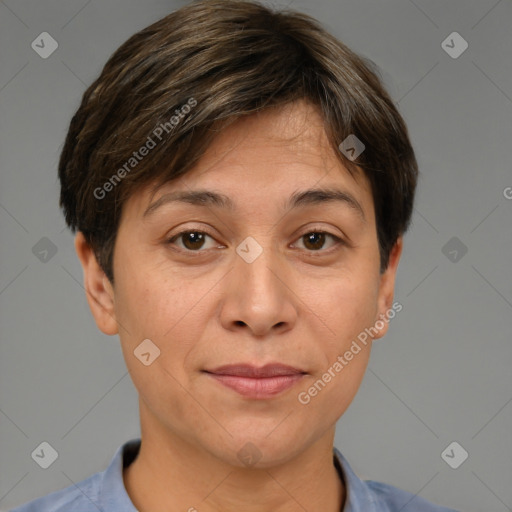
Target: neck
(172, 474)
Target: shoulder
(100, 492)
(372, 496)
(81, 497)
(393, 499)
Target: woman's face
(256, 272)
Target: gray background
(442, 373)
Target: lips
(250, 371)
(258, 383)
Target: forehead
(265, 157)
(291, 136)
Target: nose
(258, 296)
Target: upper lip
(248, 370)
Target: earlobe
(98, 289)
(387, 288)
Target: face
(266, 272)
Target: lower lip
(259, 388)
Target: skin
(301, 303)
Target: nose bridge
(258, 296)
(255, 266)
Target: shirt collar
(358, 497)
(113, 495)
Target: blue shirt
(105, 491)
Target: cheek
(347, 306)
(173, 317)
(153, 305)
(171, 312)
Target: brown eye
(190, 240)
(316, 240)
(193, 240)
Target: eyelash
(338, 242)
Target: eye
(315, 240)
(191, 240)
(194, 241)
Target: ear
(387, 288)
(99, 290)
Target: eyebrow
(297, 199)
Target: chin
(261, 449)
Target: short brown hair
(226, 59)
